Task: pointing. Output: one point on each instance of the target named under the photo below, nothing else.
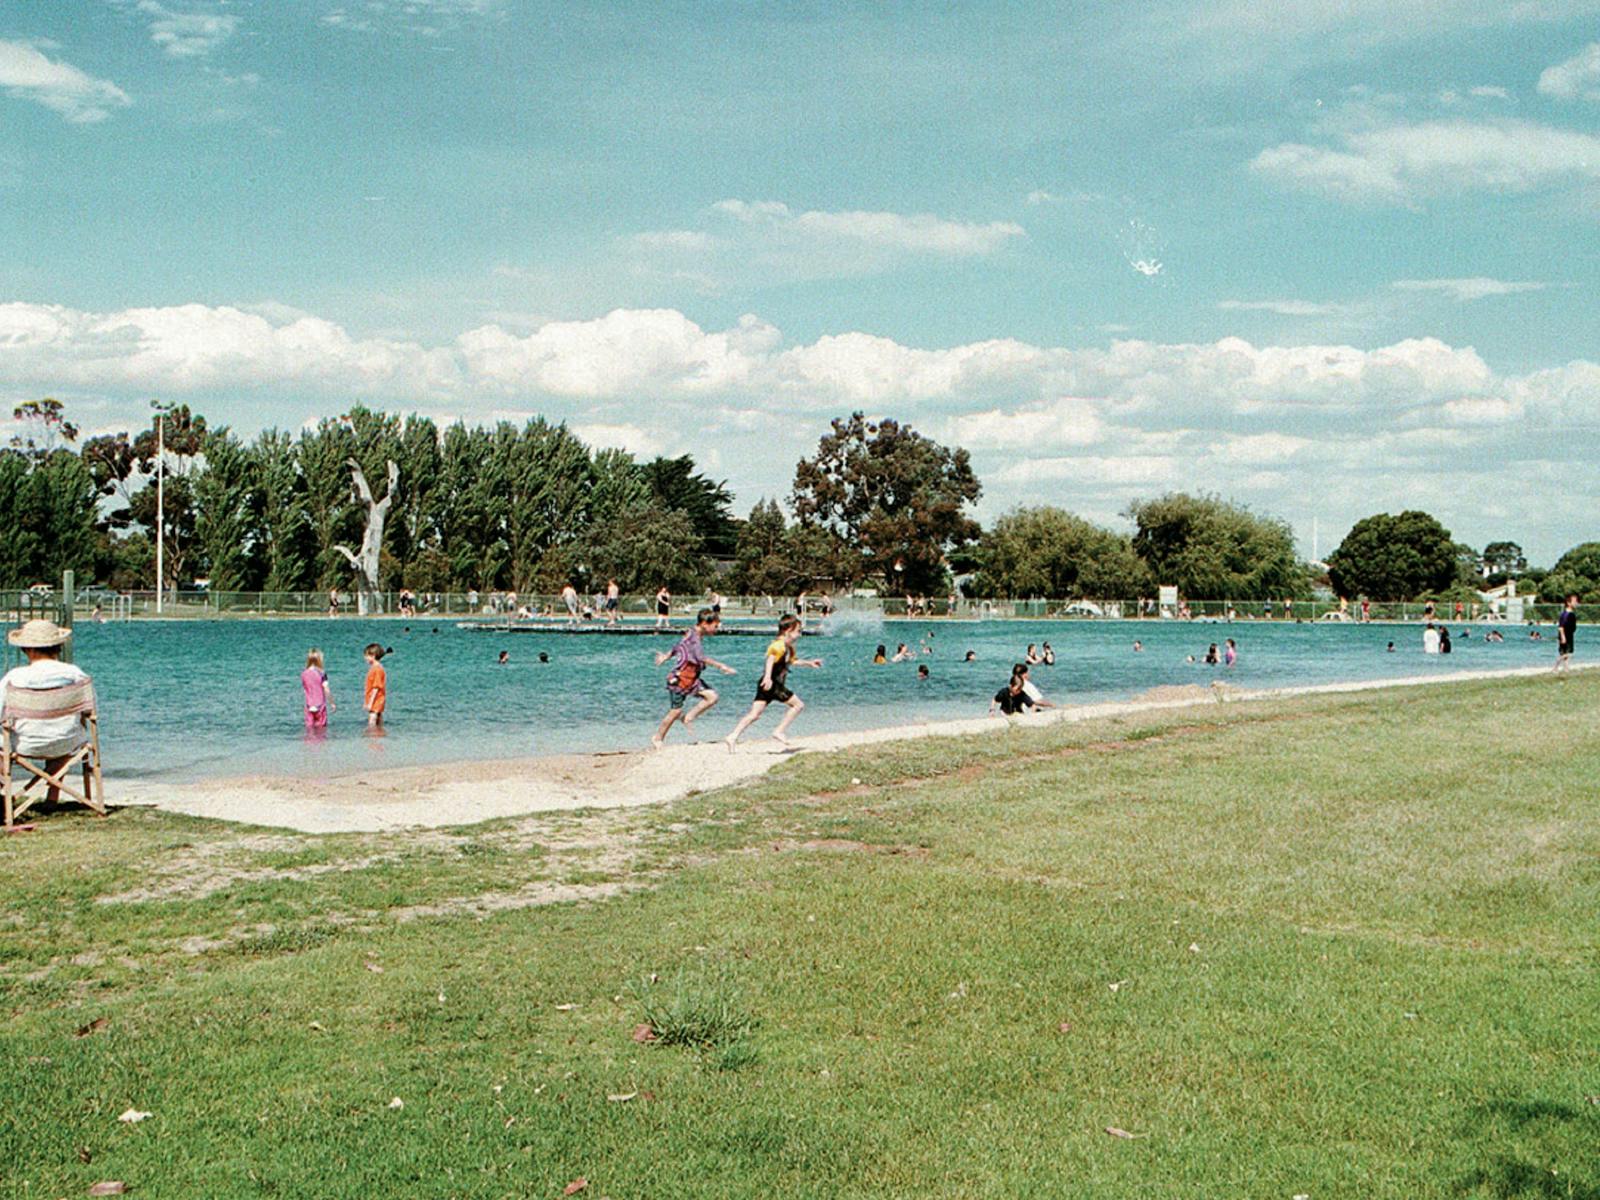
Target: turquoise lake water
(191, 699)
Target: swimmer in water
(1230, 654)
(505, 657)
(881, 656)
(1138, 646)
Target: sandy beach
(465, 793)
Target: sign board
(1169, 596)
(1514, 609)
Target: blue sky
(1324, 258)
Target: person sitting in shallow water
(902, 653)
(1032, 656)
(881, 656)
(1212, 658)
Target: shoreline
(465, 793)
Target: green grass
(1340, 946)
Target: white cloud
(1284, 308)
(1577, 78)
(1040, 196)
(1089, 428)
(916, 232)
(1066, 421)
(1475, 288)
(1401, 163)
(190, 34)
(1487, 92)
(641, 443)
(28, 75)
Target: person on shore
(1430, 639)
(375, 693)
(715, 600)
(318, 694)
(686, 679)
(881, 656)
(98, 616)
(569, 597)
(1366, 610)
(333, 602)
(613, 601)
(774, 685)
(1566, 634)
(663, 606)
(53, 739)
(1230, 653)
(1011, 699)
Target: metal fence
(96, 602)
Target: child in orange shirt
(377, 689)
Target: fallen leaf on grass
(1114, 1131)
(94, 1026)
(1593, 1099)
(108, 1187)
(621, 1097)
(85, 1154)
(133, 1116)
(1064, 1027)
(576, 1186)
(643, 1033)
(565, 1007)
(1194, 947)
(1119, 984)
(397, 1103)
(374, 968)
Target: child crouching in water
(376, 691)
(773, 687)
(319, 696)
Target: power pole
(161, 506)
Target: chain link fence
(92, 602)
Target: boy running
(684, 680)
(773, 687)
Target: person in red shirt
(376, 693)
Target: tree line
(530, 507)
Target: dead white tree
(369, 598)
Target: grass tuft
(701, 1007)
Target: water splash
(851, 623)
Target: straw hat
(38, 635)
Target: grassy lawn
(1340, 946)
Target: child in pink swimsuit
(319, 696)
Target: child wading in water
(319, 696)
(376, 692)
(773, 688)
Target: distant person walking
(613, 601)
(685, 681)
(569, 597)
(1566, 634)
(318, 695)
(774, 685)
(663, 607)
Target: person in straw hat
(38, 737)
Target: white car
(1083, 608)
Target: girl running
(774, 685)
